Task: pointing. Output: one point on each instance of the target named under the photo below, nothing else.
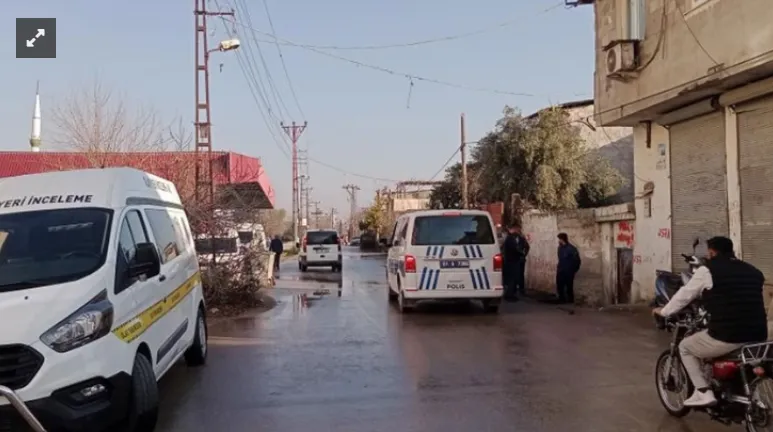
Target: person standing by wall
(569, 263)
(514, 251)
(277, 247)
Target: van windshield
(452, 230)
(321, 237)
(51, 246)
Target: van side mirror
(383, 242)
(146, 261)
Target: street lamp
(229, 45)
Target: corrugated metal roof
(179, 167)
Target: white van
(100, 294)
(444, 255)
(321, 248)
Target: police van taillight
(410, 264)
(498, 262)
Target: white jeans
(694, 348)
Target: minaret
(36, 124)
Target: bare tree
(103, 127)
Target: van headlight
(89, 323)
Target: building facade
(694, 79)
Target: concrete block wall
(542, 228)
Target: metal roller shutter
(755, 163)
(698, 183)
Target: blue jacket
(568, 259)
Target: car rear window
(321, 237)
(452, 230)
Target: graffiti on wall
(664, 233)
(624, 235)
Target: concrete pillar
(733, 179)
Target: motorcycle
(738, 379)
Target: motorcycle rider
(731, 292)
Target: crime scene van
(320, 248)
(100, 294)
(444, 255)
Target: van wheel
(196, 355)
(392, 296)
(143, 403)
(491, 306)
(403, 305)
(303, 267)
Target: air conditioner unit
(622, 56)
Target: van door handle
(161, 278)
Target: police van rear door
(455, 251)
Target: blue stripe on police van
(437, 275)
(423, 275)
(485, 278)
(480, 252)
(474, 282)
(466, 252)
(442, 251)
(480, 279)
(429, 251)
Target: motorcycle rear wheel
(679, 379)
(762, 394)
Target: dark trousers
(514, 279)
(565, 286)
(277, 258)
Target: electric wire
(385, 70)
(282, 59)
(447, 38)
(694, 36)
(281, 106)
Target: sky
(367, 123)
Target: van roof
(98, 187)
(444, 212)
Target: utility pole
(303, 193)
(351, 190)
(463, 149)
(333, 218)
(205, 188)
(294, 132)
(317, 213)
(308, 205)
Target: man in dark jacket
(515, 249)
(569, 263)
(277, 247)
(732, 295)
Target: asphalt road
(353, 363)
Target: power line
(385, 70)
(694, 36)
(272, 86)
(446, 38)
(450, 158)
(282, 58)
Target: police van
(100, 294)
(444, 255)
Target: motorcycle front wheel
(674, 388)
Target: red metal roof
(229, 169)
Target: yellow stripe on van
(132, 329)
